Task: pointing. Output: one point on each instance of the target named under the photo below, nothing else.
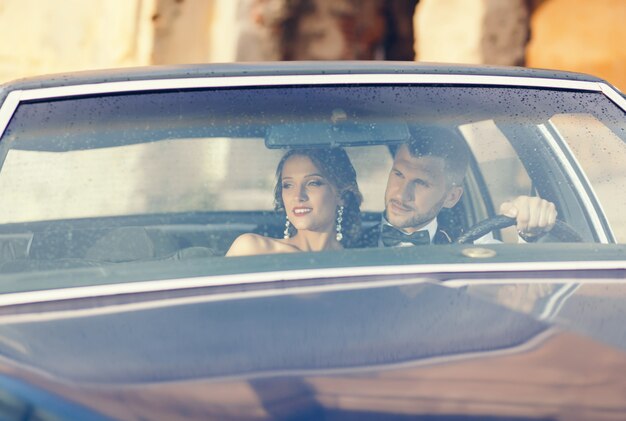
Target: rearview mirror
(344, 133)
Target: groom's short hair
(441, 142)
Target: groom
(426, 177)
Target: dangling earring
(339, 235)
(286, 232)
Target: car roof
(282, 69)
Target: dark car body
(128, 310)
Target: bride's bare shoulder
(250, 244)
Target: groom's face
(417, 189)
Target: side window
(504, 175)
(599, 152)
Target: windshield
(177, 176)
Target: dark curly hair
(335, 166)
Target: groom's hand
(534, 215)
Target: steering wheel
(561, 231)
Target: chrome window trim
(419, 271)
(8, 109)
(613, 95)
(284, 80)
(14, 97)
(582, 187)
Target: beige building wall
(40, 37)
(194, 31)
(68, 35)
(448, 31)
(471, 31)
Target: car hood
(413, 348)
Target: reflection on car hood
(591, 307)
(366, 349)
(267, 334)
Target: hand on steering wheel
(561, 231)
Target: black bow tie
(391, 237)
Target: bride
(316, 190)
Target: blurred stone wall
(325, 30)
(573, 35)
(38, 37)
(580, 35)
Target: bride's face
(310, 199)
